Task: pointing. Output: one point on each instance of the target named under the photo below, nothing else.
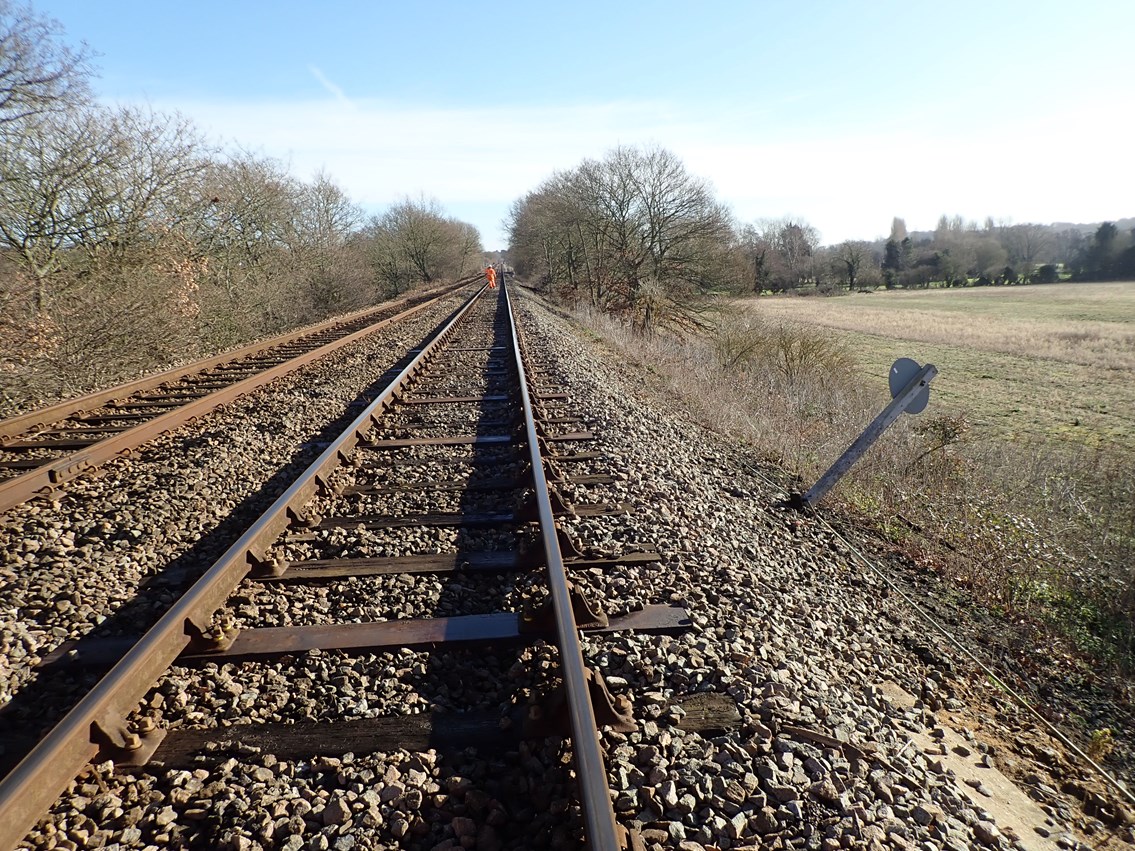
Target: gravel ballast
(110, 555)
(841, 696)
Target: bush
(796, 352)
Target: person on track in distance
(491, 275)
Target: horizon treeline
(129, 242)
(636, 234)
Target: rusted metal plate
(474, 486)
(599, 509)
(495, 628)
(425, 731)
(569, 436)
(450, 400)
(572, 457)
(708, 713)
(385, 521)
(427, 563)
(598, 479)
(453, 440)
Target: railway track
(804, 707)
(428, 527)
(42, 450)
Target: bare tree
(139, 197)
(38, 73)
(1025, 244)
(467, 241)
(796, 241)
(852, 256)
(414, 241)
(758, 246)
(243, 228)
(635, 228)
(325, 220)
(49, 167)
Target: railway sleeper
(314, 570)
(544, 717)
(267, 643)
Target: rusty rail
(55, 472)
(99, 720)
(602, 832)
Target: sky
(847, 117)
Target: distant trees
(1109, 255)
(960, 252)
(779, 252)
(415, 242)
(1024, 245)
(127, 241)
(898, 252)
(853, 258)
(633, 233)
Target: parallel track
(43, 449)
(507, 453)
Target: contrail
(337, 92)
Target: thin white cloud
(335, 90)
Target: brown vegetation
(1034, 529)
(128, 243)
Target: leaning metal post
(903, 399)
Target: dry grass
(1023, 363)
(1032, 526)
(1088, 324)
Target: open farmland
(1036, 361)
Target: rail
(99, 720)
(56, 471)
(602, 832)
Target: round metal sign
(902, 371)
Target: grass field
(1047, 361)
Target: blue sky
(846, 117)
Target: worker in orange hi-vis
(491, 274)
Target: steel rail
(14, 426)
(603, 833)
(56, 471)
(28, 792)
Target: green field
(1047, 361)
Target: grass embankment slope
(1041, 361)
(1017, 480)
(1014, 487)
